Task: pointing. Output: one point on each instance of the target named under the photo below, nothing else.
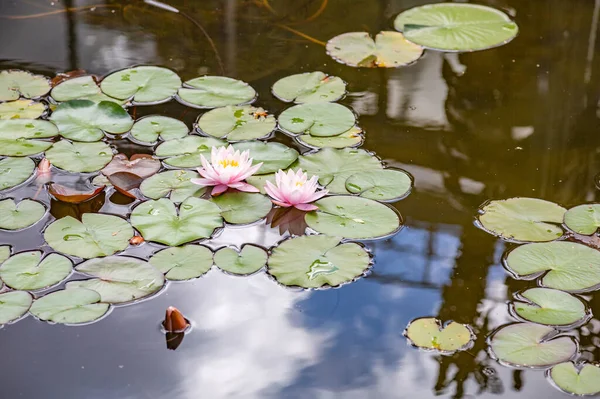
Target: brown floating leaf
(71, 195)
(174, 321)
(125, 182)
(61, 77)
(142, 165)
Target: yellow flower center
(299, 184)
(228, 162)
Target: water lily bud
(174, 320)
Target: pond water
(517, 120)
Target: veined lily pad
(569, 266)
(29, 271)
(72, 306)
(317, 261)
(19, 216)
(18, 137)
(14, 305)
(96, 235)
(85, 120)
(388, 50)
(550, 307)
(79, 157)
(15, 84)
(580, 379)
(143, 84)
(21, 109)
(522, 219)
(14, 171)
(215, 91)
(159, 220)
(119, 278)
(183, 263)
(317, 119)
(242, 208)
(148, 129)
(237, 123)
(380, 185)
(309, 87)
(531, 345)
(247, 261)
(583, 219)
(430, 334)
(174, 184)
(274, 156)
(80, 88)
(456, 27)
(185, 152)
(350, 138)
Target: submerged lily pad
(215, 91)
(580, 379)
(274, 156)
(96, 235)
(317, 119)
(569, 266)
(522, 219)
(142, 84)
(14, 171)
(456, 27)
(21, 109)
(317, 261)
(80, 88)
(15, 84)
(185, 152)
(148, 129)
(79, 157)
(19, 137)
(309, 87)
(174, 184)
(159, 220)
(72, 306)
(583, 219)
(247, 261)
(14, 305)
(15, 216)
(183, 263)
(429, 333)
(29, 271)
(237, 123)
(350, 138)
(531, 345)
(380, 185)
(388, 50)
(242, 208)
(550, 307)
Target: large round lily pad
(174, 184)
(550, 307)
(237, 123)
(96, 235)
(15, 216)
(274, 156)
(15, 84)
(19, 137)
(185, 152)
(245, 262)
(80, 88)
(159, 220)
(580, 379)
(309, 87)
(142, 84)
(72, 306)
(183, 263)
(148, 129)
(29, 271)
(350, 138)
(14, 171)
(242, 208)
(79, 157)
(14, 305)
(430, 334)
(317, 119)
(215, 91)
(583, 219)
(456, 27)
(380, 185)
(21, 109)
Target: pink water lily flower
(294, 189)
(227, 168)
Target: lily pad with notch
(21, 109)
(183, 263)
(583, 219)
(149, 129)
(248, 260)
(309, 87)
(352, 137)
(71, 306)
(17, 216)
(579, 379)
(215, 91)
(14, 305)
(30, 271)
(174, 184)
(14, 171)
(15, 84)
(274, 156)
(550, 307)
(237, 123)
(430, 334)
(242, 208)
(21, 137)
(142, 84)
(185, 152)
(79, 157)
(317, 119)
(380, 185)
(80, 88)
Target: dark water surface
(519, 120)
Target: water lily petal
(306, 207)
(220, 189)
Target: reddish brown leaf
(61, 77)
(72, 195)
(125, 182)
(142, 165)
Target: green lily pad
(317, 119)
(550, 307)
(21, 109)
(380, 185)
(185, 152)
(142, 84)
(29, 271)
(15, 84)
(583, 219)
(215, 91)
(4, 253)
(159, 220)
(242, 208)
(309, 87)
(317, 261)
(580, 379)
(183, 263)
(274, 156)
(148, 129)
(174, 184)
(14, 171)
(119, 279)
(259, 181)
(72, 306)
(522, 219)
(14, 305)
(80, 88)
(568, 266)
(430, 334)
(245, 262)
(456, 27)
(350, 138)
(19, 137)
(237, 123)
(20, 216)
(85, 120)
(531, 345)
(334, 166)
(96, 235)
(79, 157)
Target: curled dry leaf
(71, 195)
(142, 165)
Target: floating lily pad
(242, 208)
(183, 263)
(96, 235)
(29, 271)
(19, 137)
(568, 266)
(142, 84)
(14, 171)
(317, 261)
(15, 84)
(522, 219)
(21, 109)
(456, 27)
(309, 87)
(71, 195)
(350, 138)
(80, 88)
(119, 278)
(259, 181)
(580, 379)
(531, 345)
(550, 307)
(429, 333)
(317, 119)
(72, 306)
(85, 120)
(215, 91)
(148, 129)
(185, 152)
(142, 165)
(14, 305)
(274, 156)
(79, 157)
(247, 261)
(159, 220)
(237, 123)
(19, 216)
(4, 253)
(174, 184)
(380, 185)
(388, 50)
(583, 219)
